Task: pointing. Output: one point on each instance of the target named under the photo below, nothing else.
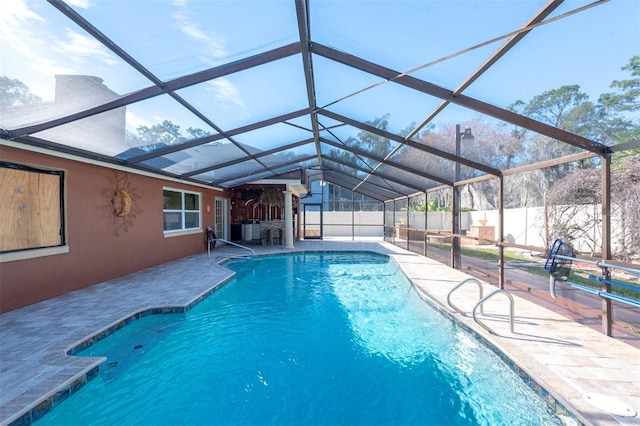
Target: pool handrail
(550, 263)
(460, 284)
(253, 253)
(481, 301)
(612, 282)
(601, 264)
(604, 294)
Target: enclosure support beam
(353, 216)
(244, 174)
(288, 220)
(426, 223)
(456, 257)
(546, 10)
(459, 99)
(411, 143)
(393, 223)
(374, 191)
(251, 156)
(407, 221)
(298, 218)
(455, 228)
(364, 154)
(212, 138)
(607, 317)
(501, 232)
(166, 87)
(304, 29)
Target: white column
(288, 220)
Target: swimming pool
(308, 338)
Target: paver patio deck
(579, 367)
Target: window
(222, 217)
(31, 208)
(181, 210)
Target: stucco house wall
(100, 246)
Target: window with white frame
(181, 210)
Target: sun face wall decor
(121, 202)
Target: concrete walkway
(594, 377)
(578, 305)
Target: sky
(174, 38)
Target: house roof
(359, 93)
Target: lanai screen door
(312, 221)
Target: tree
(364, 141)
(625, 197)
(14, 92)
(166, 133)
(603, 124)
(557, 106)
(373, 143)
(567, 108)
(628, 97)
(161, 135)
(197, 133)
(574, 213)
(618, 107)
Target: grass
(580, 277)
(577, 276)
(482, 253)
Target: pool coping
(554, 402)
(561, 404)
(565, 395)
(34, 410)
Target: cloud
(134, 121)
(226, 92)
(38, 53)
(21, 40)
(16, 23)
(16, 10)
(81, 49)
(212, 44)
(82, 4)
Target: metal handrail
(460, 284)
(481, 301)
(604, 294)
(228, 242)
(601, 264)
(606, 290)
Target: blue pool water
(302, 339)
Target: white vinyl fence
(346, 224)
(523, 226)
